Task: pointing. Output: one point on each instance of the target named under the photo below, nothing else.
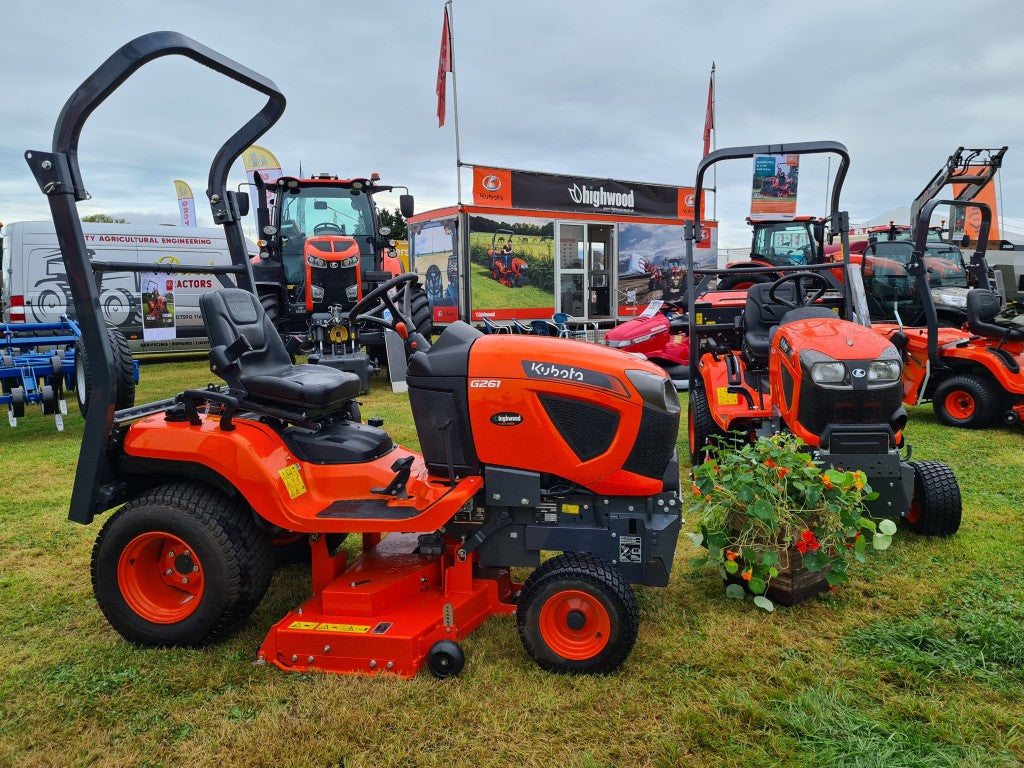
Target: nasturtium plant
(761, 504)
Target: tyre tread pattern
(587, 568)
(704, 425)
(230, 521)
(941, 505)
(986, 401)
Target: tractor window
(946, 266)
(323, 210)
(783, 244)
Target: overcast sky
(583, 87)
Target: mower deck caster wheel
(445, 659)
(18, 401)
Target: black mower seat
(760, 315)
(248, 353)
(982, 306)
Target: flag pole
(714, 145)
(455, 102)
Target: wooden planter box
(794, 584)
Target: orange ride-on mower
(974, 376)
(804, 359)
(530, 445)
(507, 268)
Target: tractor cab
(778, 241)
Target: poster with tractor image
(157, 306)
(512, 263)
(437, 264)
(652, 263)
(774, 186)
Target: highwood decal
(535, 369)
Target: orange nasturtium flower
(748, 574)
(732, 555)
(827, 481)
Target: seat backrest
(238, 329)
(982, 305)
(560, 318)
(760, 315)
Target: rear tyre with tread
(936, 509)
(739, 281)
(422, 314)
(124, 373)
(576, 614)
(967, 401)
(180, 565)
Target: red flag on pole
(709, 117)
(444, 66)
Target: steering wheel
(370, 308)
(800, 299)
(327, 228)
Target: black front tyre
(967, 401)
(576, 614)
(180, 565)
(702, 426)
(124, 373)
(936, 509)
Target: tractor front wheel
(180, 565)
(702, 426)
(577, 614)
(936, 509)
(966, 401)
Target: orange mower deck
(384, 612)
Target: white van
(34, 287)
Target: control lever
(402, 469)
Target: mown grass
(917, 663)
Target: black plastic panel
(588, 429)
(655, 445)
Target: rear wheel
(272, 306)
(740, 281)
(182, 564)
(577, 614)
(966, 401)
(936, 509)
(702, 426)
(422, 315)
(124, 373)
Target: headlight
(884, 370)
(351, 261)
(656, 390)
(615, 343)
(828, 373)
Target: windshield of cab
(783, 244)
(318, 210)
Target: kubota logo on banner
(492, 187)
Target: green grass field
(919, 662)
(488, 293)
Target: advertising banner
(505, 188)
(652, 263)
(436, 261)
(157, 306)
(512, 268)
(775, 181)
(262, 161)
(186, 204)
(971, 217)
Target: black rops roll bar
(60, 179)
(918, 270)
(839, 221)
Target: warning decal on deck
(355, 629)
(293, 480)
(302, 625)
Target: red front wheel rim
(160, 577)
(575, 625)
(959, 404)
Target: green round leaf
(696, 538)
(881, 541)
(698, 562)
(763, 602)
(773, 572)
(757, 585)
(735, 591)
(731, 567)
(888, 527)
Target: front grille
(821, 406)
(655, 443)
(588, 429)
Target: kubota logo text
(552, 371)
(600, 198)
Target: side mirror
(406, 206)
(965, 241)
(242, 201)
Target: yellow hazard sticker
(700, 318)
(302, 625)
(293, 480)
(725, 397)
(571, 509)
(357, 629)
